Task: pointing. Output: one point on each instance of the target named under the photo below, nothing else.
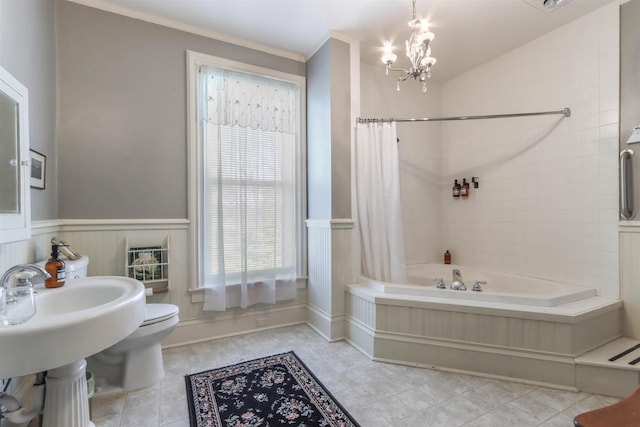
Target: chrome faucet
(457, 284)
(4, 280)
(476, 286)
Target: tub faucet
(4, 280)
(457, 284)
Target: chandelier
(418, 52)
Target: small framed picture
(38, 163)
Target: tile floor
(376, 394)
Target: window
(247, 166)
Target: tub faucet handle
(476, 285)
(439, 283)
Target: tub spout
(457, 284)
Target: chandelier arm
(402, 70)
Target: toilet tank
(77, 268)
(74, 269)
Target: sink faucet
(4, 280)
(457, 284)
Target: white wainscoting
(329, 262)
(630, 277)
(104, 242)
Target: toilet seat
(155, 313)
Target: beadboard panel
(27, 251)
(478, 360)
(598, 330)
(319, 264)
(341, 264)
(360, 309)
(476, 328)
(630, 277)
(329, 262)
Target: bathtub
(500, 287)
(518, 328)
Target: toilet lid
(155, 313)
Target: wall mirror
(15, 215)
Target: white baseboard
(225, 325)
(331, 328)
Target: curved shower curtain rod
(565, 111)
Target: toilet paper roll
(148, 292)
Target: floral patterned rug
(277, 390)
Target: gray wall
(122, 135)
(329, 132)
(319, 133)
(27, 51)
(340, 130)
(630, 86)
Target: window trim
(196, 173)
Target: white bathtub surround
(535, 344)
(547, 202)
(597, 373)
(378, 210)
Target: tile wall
(418, 153)
(547, 202)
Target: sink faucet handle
(439, 283)
(476, 285)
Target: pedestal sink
(72, 322)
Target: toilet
(136, 361)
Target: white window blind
(249, 128)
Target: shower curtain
(378, 202)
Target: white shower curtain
(378, 202)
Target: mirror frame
(15, 227)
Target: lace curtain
(249, 150)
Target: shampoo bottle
(464, 189)
(56, 268)
(447, 257)
(456, 189)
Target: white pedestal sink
(72, 322)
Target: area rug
(277, 390)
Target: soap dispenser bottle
(56, 269)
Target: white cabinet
(15, 213)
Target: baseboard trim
(226, 325)
(331, 328)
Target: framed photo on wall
(38, 163)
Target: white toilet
(136, 361)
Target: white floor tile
(374, 393)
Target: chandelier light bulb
(388, 57)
